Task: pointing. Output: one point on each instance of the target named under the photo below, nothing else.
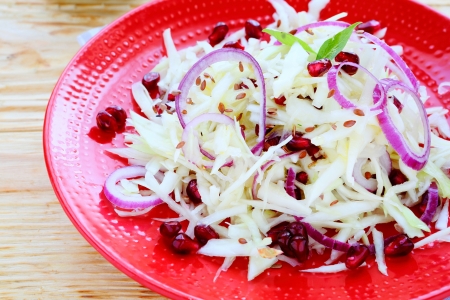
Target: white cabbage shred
(332, 198)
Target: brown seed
(349, 123)
(184, 112)
(203, 85)
(276, 266)
(272, 111)
(229, 110)
(293, 31)
(312, 164)
(309, 31)
(302, 154)
(358, 112)
(278, 23)
(239, 117)
(241, 67)
(189, 101)
(367, 175)
(198, 81)
(176, 92)
(294, 130)
(206, 75)
(330, 93)
(237, 86)
(212, 79)
(240, 96)
(221, 107)
(334, 202)
(334, 126)
(242, 241)
(310, 129)
(180, 145)
(243, 127)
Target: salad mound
(276, 144)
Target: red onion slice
(224, 54)
(289, 184)
(123, 201)
(218, 118)
(369, 184)
(324, 240)
(386, 162)
(318, 24)
(432, 198)
(379, 97)
(413, 160)
(413, 82)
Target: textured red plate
(101, 74)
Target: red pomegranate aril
(280, 100)
(297, 229)
(253, 29)
(119, 114)
(319, 67)
(271, 142)
(298, 143)
(397, 177)
(348, 57)
(398, 104)
(235, 45)
(204, 234)
(218, 34)
(371, 26)
(283, 240)
(183, 244)
(356, 255)
(313, 151)
(299, 246)
(170, 229)
(192, 192)
(302, 177)
(106, 122)
(274, 231)
(400, 246)
(171, 97)
(150, 82)
(299, 195)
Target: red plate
(101, 74)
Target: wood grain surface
(42, 255)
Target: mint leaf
(288, 39)
(336, 44)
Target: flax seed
(241, 67)
(334, 202)
(349, 123)
(240, 96)
(310, 129)
(302, 154)
(330, 93)
(206, 75)
(198, 81)
(184, 112)
(309, 31)
(237, 86)
(242, 241)
(239, 117)
(293, 31)
(367, 175)
(203, 85)
(229, 110)
(180, 145)
(221, 107)
(358, 112)
(334, 126)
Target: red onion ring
(413, 160)
(432, 198)
(414, 83)
(213, 117)
(324, 240)
(224, 54)
(369, 184)
(318, 24)
(289, 184)
(128, 202)
(342, 100)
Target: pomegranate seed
(299, 195)
(280, 100)
(356, 255)
(150, 82)
(400, 246)
(119, 114)
(313, 151)
(297, 229)
(171, 97)
(283, 240)
(204, 234)
(218, 34)
(106, 122)
(183, 244)
(302, 177)
(274, 231)
(170, 229)
(348, 57)
(253, 29)
(298, 143)
(397, 177)
(370, 26)
(235, 45)
(319, 67)
(299, 246)
(271, 142)
(398, 104)
(192, 192)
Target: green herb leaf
(289, 39)
(335, 44)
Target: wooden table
(42, 255)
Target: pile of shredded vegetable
(219, 120)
